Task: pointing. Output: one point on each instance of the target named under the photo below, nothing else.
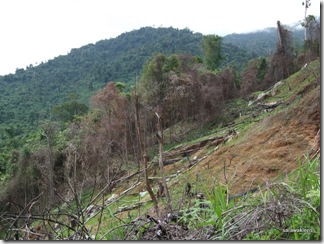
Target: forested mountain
(262, 42)
(30, 94)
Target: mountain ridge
(29, 95)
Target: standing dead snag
(145, 157)
(188, 189)
(160, 191)
(160, 139)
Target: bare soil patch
(273, 147)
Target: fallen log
(118, 196)
(270, 105)
(126, 177)
(160, 178)
(132, 207)
(112, 200)
(169, 161)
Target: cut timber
(173, 156)
(126, 177)
(160, 178)
(169, 161)
(132, 207)
(270, 105)
(117, 196)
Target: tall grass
(283, 210)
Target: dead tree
(145, 157)
(49, 130)
(188, 189)
(160, 139)
(160, 191)
(282, 62)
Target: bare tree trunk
(125, 144)
(279, 33)
(305, 19)
(51, 175)
(49, 131)
(74, 151)
(160, 139)
(145, 158)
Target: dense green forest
(262, 42)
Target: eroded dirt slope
(270, 147)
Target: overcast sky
(38, 30)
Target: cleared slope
(267, 143)
(264, 146)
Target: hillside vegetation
(262, 42)
(30, 94)
(193, 150)
(61, 88)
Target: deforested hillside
(262, 160)
(191, 151)
(239, 180)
